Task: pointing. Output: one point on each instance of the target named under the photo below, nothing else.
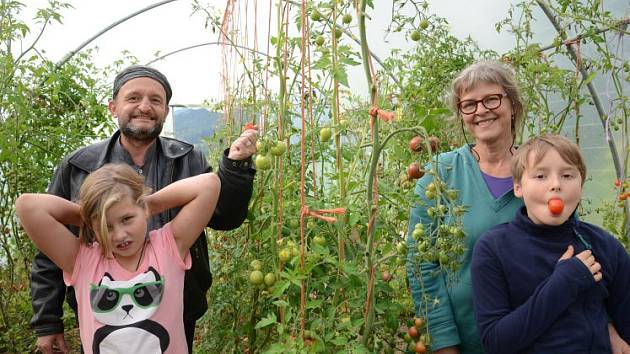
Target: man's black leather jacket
(176, 160)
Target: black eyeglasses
(490, 102)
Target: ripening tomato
(413, 332)
(418, 322)
(414, 171)
(420, 347)
(555, 206)
(435, 143)
(415, 144)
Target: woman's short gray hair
(490, 72)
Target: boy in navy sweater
(546, 282)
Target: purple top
(498, 185)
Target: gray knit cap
(136, 71)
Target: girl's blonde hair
(101, 189)
(490, 72)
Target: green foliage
(45, 112)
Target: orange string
(385, 116)
(306, 211)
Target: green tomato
(320, 240)
(255, 264)
(284, 255)
(423, 246)
(417, 234)
(256, 277)
(415, 36)
(316, 16)
(270, 279)
(319, 41)
(294, 223)
(325, 134)
(338, 33)
(279, 148)
(429, 194)
(424, 24)
(443, 258)
(401, 248)
(263, 162)
(451, 194)
(347, 18)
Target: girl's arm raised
(197, 196)
(44, 217)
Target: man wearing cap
(140, 104)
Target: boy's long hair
(539, 146)
(101, 189)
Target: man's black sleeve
(47, 287)
(237, 185)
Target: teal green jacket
(447, 303)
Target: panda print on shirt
(125, 309)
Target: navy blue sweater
(528, 302)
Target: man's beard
(142, 134)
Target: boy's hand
(588, 259)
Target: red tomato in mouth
(555, 206)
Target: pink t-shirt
(132, 312)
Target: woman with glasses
(487, 102)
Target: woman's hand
(447, 350)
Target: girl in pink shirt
(129, 283)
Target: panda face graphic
(118, 303)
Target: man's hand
(619, 346)
(54, 343)
(588, 259)
(245, 145)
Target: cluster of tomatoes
(256, 276)
(624, 191)
(417, 342)
(417, 144)
(266, 150)
(288, 250)
(317, 16)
